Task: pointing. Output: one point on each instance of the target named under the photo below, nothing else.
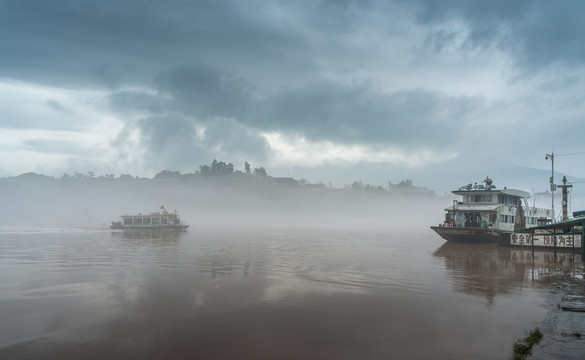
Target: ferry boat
(487, 214)
(163, 220)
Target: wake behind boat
(487, 214)
(163, 220)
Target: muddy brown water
(263, 293)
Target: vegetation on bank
(221, 173)
(523, 347)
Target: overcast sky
(328, 90)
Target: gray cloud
(204, 91)
(172, 142)
(538, 34)
(325, 111)
(57, 106)
(165, 141)
(111, 44)
(166, 133)
(128, 102)
(207, 77)
(355, 114)
(64, 147)
(235, 141)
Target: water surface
(262, 293)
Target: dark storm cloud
(204, 91)
(325, 111)
(536, 33)
(115, 43)
(231, 138)
(355, 114)
(161, 133)
(209, 76)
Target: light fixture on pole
(553, 187)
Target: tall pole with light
(565, 188)
(553, 187)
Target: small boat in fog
(489, 215)
(162, 220)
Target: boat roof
(511, 192)
(559, 225)
(515, 192)
(475, 207)
(150, 215)
(489, 187)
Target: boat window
(127, 221)
(137, 221)
(480, 198)
(164, 221)
(155, 221)
(146, 221)
(507, 219)
(508, 200)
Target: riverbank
(564, 326)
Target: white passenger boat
(487, 214)
(163, 220)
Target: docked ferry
(487, 214)
(163, 220)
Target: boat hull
(473, 235)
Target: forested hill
(219, 173)
(217, 191)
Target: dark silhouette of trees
(220, 173)
(167, 174)
(216, 168)
(260, 172)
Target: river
(263, 292)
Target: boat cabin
(151, 220)
(484, 206)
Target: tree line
(223, 172)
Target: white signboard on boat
(562, 240)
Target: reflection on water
(261, 293)
(490, 270)
(159, 234)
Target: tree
(260, 172)
(405, 183)
(247, 168)
(168, 174)
(357, 186)
(217, 168)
